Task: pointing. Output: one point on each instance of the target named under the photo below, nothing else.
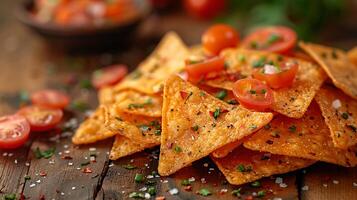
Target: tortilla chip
(342, 120)
(123, 147)
(140, 129)
(244, 165)
(352, 56)
(308, 137)
(337, 66)
(93, 129)
(194, 124)
(168, 58)
(290, 101)
(106, 96)
(136, 103)
(226, 149)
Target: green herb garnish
(216, 113)
(292, 128)
(345, 115)
(204, 192)
(221, 94)
(152, 190)
(185, 182)
(261, 193)
(10, 197)
(256, 184)
(236, 192)
(243, 168)
(139, 178)
(137, 195)
(195, 128)
(177, 149)
(44, 154)
(129, 167)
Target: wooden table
(26, 65)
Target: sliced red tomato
(50, 98)
(197, 71)
(277, 39)
(204, 9)
(41, 118)
(109, 75)
(14, 131)
(253, 94)
(277, 76)
(218, 37)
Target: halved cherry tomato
(253, 94)
(219, 37)
(14, 131)
(197, 71)
(277, 76)
(41, 118)
(109, 75)
(277, 39)
(204, 9)
(50, 98)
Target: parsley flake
(195, 128)
(44, 154)
(152, 190)
(261, 193)
(236, 192)
(185, 182)
(221, 94)
(273, 38)
(345, 115)
(177, 149)
(129, 167)
(292, 128)
(242, 168)
(10, 197)
(137, 195)
(204, 192)
(216, 113)
(139, 178)
(256, 184)
(259, 63)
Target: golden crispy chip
(194, 124)
(352, 56)
(136, 103)
(168, 58)
(135, 127)
(308, 137)
(93, 129)
(226, 149)
(123, 147)
(106, 96)
(337, 66)
(244, 166)
(340, 112)
(290, 101)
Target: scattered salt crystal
(324, 184)
(143, 189)
(78, 168)
(10, 154)
(111, 165)
(254, 194)
(283, 185)
(224, 190)
(67, 151)
(192, 179)
(4, 154)
(70, 164)
(278, 180)
(205, 164)
(38, 181)
(92, 149)
(92, 158)
(173, 191)
(15, 161)
(51, 161)
(277, 198)
(336, 104)
(149, 176)
(147, 196)
(59, 153)
(211, 169)
(107, 152)
(27, 164)
(165, 181)
(305, 188)
(62, 193)
(203, 180)
(65, 146)
(132, 160)
(335, 182)
(354, 184)
(73, 188)
(32, 185)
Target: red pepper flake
(250, 197)
(66, 157)
(160, 198)
(42, 173)
(183, 94)
(188, 188)
(87, 170)
(42, 197)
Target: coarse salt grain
(335, 182)
(305, 188)
(283, 185)
(278, 180)
(92, 149)
(324, 184)
(143, 189)
(354, 184)
(192, 179)
(147, 196)
(205, 164)
(15, 161)
(38, 181)
(32, 185)
(149, 176)
(277, 198)
(73, 188)
(70, 164)
(173, 191)
(336, 104)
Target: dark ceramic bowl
(84, 38)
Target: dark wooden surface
(26, 65)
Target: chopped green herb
(129, 167)
(345, 115)
(139, 178)
(292, 128)
(252, 91)
(261, 193)
(195, 128)
(10, 197)
(204, 192)
(85, 84)
(177, 149)
(267, 127)
(259, 63)
(256, 184)
(273, 38)
(144, 128)
(216, 113)
(44, 154)
(27, 177)
(241, 58)
(185, 182)
(137, 195)
(152, 191)
(85, 163)
(202, 94)
(140, 105)
(236, 192)
(24, 97)
(194, 62)
(136, 74)
(243, 168)
(263, 91)
(79, 105)
(221, 94)
(254, 45)
(253, 127)
(157, 132)
(232, 102)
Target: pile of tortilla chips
(309, 121)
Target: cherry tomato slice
(253, 94)
(204, 9)
(14, 131)
(219, 37)
(277, 77)
(41, 118)
(50, 98)
(197, 71)
(278, 39)
(109, 75)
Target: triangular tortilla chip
(352, 56)
(337, 66)
(291, 101)
(106, 96)
(340, 112)
(123, 147)
(93, 129)
(168, 58)
(139, 129)
(244, 166)
(308, 137)
(226, 149)
(194, 124)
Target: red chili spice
(87, 170)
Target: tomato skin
(41, 118)
(259, 101)
(14, 131)
(50, 98)
(284, 44)
(278, 80)
(218, 37)
(197, 71)
(204, 9)
(109, 75)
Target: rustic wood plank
(326, 181)
(119, 182)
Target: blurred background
(42, 37)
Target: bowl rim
(23, 15)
